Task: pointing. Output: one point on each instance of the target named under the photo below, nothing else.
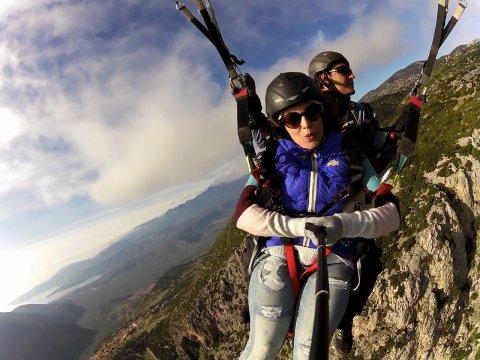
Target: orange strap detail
(384, 189)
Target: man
(333, 74)
(331, 70)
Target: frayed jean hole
(270, 277)
(339, 284)
(271, 312)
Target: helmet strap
(327, 85)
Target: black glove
(332, 226)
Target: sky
(113, 111)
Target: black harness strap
(436, 41)
(238, 84)
(245, 132)
(453, 21)
(406, 127)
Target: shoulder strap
(354, 152)
(363, 112)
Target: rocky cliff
(425, 304)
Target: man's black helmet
(289, 89)
(324, 61)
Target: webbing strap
(384, 189)
(407, 125)
(453, 21)
(408, 122)
(407, 144)
(244, 132)
(312, 268)
(293, 274)
(436, 41)
(211, 31)
(292, 269)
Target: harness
(354, 195)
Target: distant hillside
(388, 97)
(178, 228)
(105, 284)
(425, 304)
(43, 332)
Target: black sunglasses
(292, 119)
(342, 69)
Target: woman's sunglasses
(342, 69)
(292, 119)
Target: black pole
(320, 344)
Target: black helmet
(324, 61)
(289, 89)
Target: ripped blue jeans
(272, 307)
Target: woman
(313, 169)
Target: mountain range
(100, 286)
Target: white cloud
(122, 130)
(175, 126)
(9, 6)
(9, 126)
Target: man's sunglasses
(292, 119)
(342, 69)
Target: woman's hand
(333, 229)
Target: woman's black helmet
(289, 89)
(325, 61)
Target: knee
(270, 293)
(303, 347)
(270, 274)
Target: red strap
(416, 101)
(384, 189)
(292, 272)
(241, 93)
(292, 269)
(256, 172)
(312, 268)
